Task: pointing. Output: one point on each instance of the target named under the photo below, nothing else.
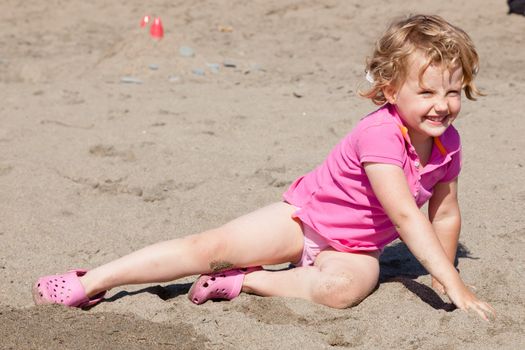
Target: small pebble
(153, 66)
(256, 67)
(198, 71)
(173, 78)
(186, 51)
(130, 80)
(229, 64)
(214, 67)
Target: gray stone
(198, 71)
(186, 51)
(256, 67)
(130, 80)
(214, 67)
(229, 63)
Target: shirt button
(417, 164)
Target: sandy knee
(333, 291)
(342, 291)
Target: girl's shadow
(164, 292)
(397, 264)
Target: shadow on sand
(398, 264)
(164, 292)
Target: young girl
(335, 221)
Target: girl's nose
(441, 106)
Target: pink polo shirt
(336, 198)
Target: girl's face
(430, 105)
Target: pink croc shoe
(220, 285)
(64, 289)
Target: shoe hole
(41, 294)
(38, 285)
(213, 278)
(205, 285)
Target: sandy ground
(93, 167)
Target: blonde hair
(439, 41)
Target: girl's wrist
(455, 283)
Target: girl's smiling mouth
(437, 120)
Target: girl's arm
(444, 214)
(390, 186)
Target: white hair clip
(369, 77)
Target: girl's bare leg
(265, 236)
(337, 279)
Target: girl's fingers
(476, 309)
(469, 301)
(480, 312)
(489, 309)
(484, 310)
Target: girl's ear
(390, 93)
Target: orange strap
(437, 141)
(404, 131)
(440, 146)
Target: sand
(111, 141)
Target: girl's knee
(207, 245)
(342, 292)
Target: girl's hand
(465, 300)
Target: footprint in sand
(5, 169)
(104, 151)
(271, 311)
(273, 176)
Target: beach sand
(111, 141)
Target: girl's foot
(64, 289)
(220, 285)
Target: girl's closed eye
(425, 93)
(454, 93)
